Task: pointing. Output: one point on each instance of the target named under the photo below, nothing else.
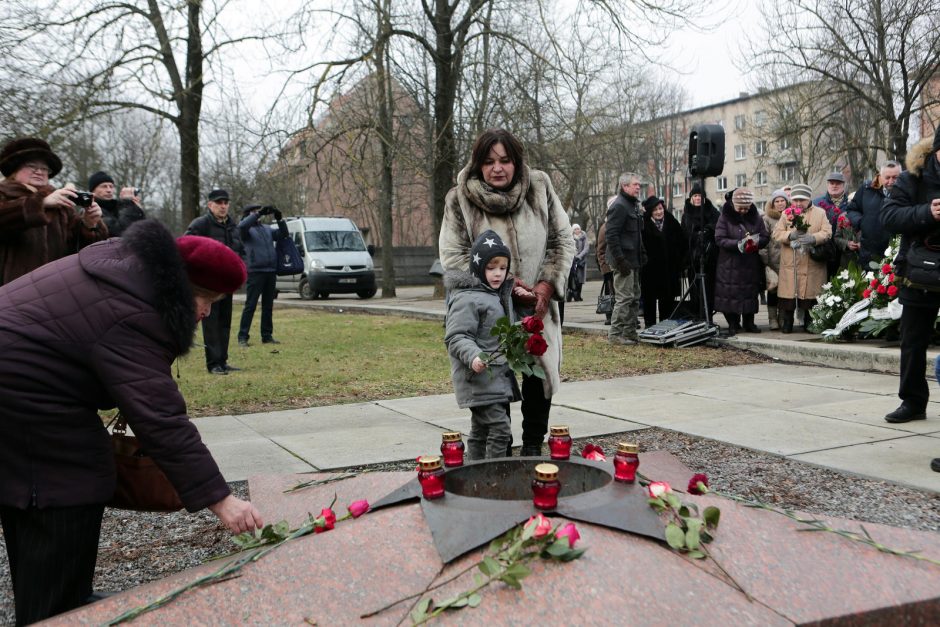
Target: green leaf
(558, 547)
(673, 500)
(477, 579)
(711, 515)
(696, 555)
(538, 371)
(458, 603)
(692, 538)
(573, 554)
(675, 536)
(420, 612)
(511, 581)
(474, 600)
(492, 566)
(518, 570)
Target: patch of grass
(329, 358)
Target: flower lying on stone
(358, 508)
(698, 484)
(658, 488)
(593, 452)
(569, 531)
(542, 526)
(325, 521)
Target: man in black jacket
(626, 256)
(913, 210)
(864, 211)
(217, 328)
(117, 213)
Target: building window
(760, 118)
(722, 183)
(738, 152)
(739, 122)
(761, 178)
(677, 190)
(760, 147)
(785, 143)
(740, 180)
(788, 173)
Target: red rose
(593, 452)
(325, 522)
(866, 293)
(886, 268)
(543, 526)
(694, 487)
(891, 278)
(532, 324)
(836, 211)
(874, 283)
(658, 488)
(571, 532)
(358, 508)
(536, 345)
(892, 291)
(882, 289)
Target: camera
(137, 192)
(83, 199)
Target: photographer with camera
(117, 213)
(261, 256)
(39, 223)
(913, 210)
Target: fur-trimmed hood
(917, 156)
(148, 265)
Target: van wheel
(367, 293)
(304, 290)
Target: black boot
(734, 324)
(807, 320)
(786, 322)
(531, 450)
(748, 324)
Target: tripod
(704, 313)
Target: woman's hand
(543, 295)
(59, 198)
(477, 365)
(237, 515)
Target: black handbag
(289, 260)
(825, 252)
(922, 267)
(605, 301)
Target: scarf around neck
(490, 199)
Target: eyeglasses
(37, 168)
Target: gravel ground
(140, 547)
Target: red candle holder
(559, 442)
(545, 487)
(431, 477)
(626, 461)
(452, 448)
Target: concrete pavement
(825, 415)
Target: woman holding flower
(802, 226)
(498, 191)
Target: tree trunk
(190, 105)
(386, 137)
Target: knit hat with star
(487, 246)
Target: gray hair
(890, 163)
(628, 177)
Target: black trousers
(52, 555)
(535, 410)
(260, 284)
(665, 303)
(916, 332)
(215, 333)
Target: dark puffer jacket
(739, 274)
(93, 331)
(864, 211)
(119, 213)
(258, 240)
(666, 252)
(625, 234)
(225, 232)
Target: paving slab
(319, 419)
(782, 432)
(663, 409)
(871, 411)
(428, 408)
(773, 395)
(903, 460)
(241, 452)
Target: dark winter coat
(119, 213)
(907, 211)
(225, 232)
(738, 280)
(700, 219)
(625, 234)
(472, 310)
(601, 250)
(94, 331)
(666, 253)
(833, 212)
(258, 240)
(864, 211)
(32, 235)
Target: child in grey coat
(478, 298)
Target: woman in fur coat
(498, 191)
(770, 256)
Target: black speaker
(706, 150)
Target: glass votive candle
(626, 461)
(559, 442)
(545, 487)
(452, 448)
(431, 477)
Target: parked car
(336, 259)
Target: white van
(336, 259)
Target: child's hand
(478, 365)
(523, 296)
(518, 290)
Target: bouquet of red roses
(520, 344)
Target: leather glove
(278, 215)
(543, 294)
(807, 240)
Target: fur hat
(801, 191)
(742, 197)
(485, 247)
(97, 179)
(20, 150)
(696, 189)
(650, 203)
(210, 264)
(218, 194)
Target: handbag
(922, 267)
(141, 485)
(825, 252)
(289, 260)
(605, 301)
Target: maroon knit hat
(210, 264)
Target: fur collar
(155, 248)
(771, 212)
(917, 156)
(491, 200)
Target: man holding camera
(117, 213)
(217, 327)
(39, 223)
(259, 241)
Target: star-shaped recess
(484, 499)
